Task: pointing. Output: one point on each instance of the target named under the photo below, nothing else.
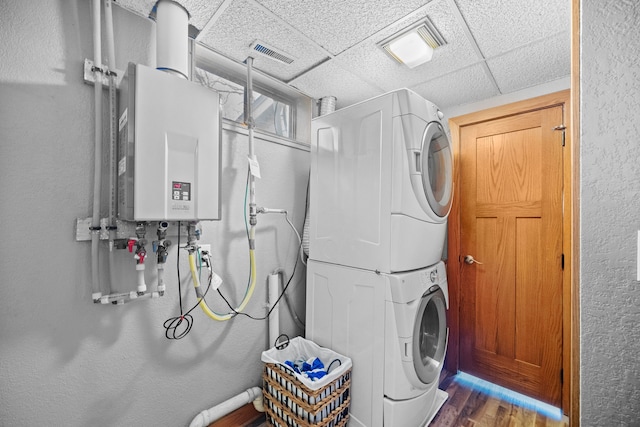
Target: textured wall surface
(63, 360)
(610, 213)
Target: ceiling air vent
(271, 52)
(430, 34)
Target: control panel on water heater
(168, 148)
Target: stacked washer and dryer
(380, 193)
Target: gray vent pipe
(327, 105)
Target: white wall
(610, 213)
(63, 360)
(508, 98)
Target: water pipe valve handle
(162, 250)
(130, 244)
(140, 256)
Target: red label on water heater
(181, 191)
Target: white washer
(393, 327)
(381, 184)
(415, 345)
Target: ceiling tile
(337, 24)
(201, 11)
(244, 22)
(534, 64)
(461, 87)
(330, 80)
(525, 44)
(373, 64)
(502, 25)
(141, 7)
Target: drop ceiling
(493, 47)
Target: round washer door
(437, 169)
(430, 336)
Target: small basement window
(270, 114)
(278, 108)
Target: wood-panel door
(511, 172)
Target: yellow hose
(247, 296)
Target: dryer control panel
(429, 276)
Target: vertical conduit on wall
(113, 134)
(97, 165)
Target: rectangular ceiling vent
(430, 34)
(271, 52)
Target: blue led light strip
(507, 395)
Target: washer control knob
(433, 276)
(440, 115)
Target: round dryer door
(437, 168)
(430, 336)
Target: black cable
(174, 328)
(173, 324)
(178, 267)
(234, 312)
(274, 304)
(300, 254)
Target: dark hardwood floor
(468, 407)
(465, 407)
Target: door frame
(569, 244)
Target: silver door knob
(470, 260)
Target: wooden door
(511, 172)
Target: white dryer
(415, 345)
(381, 184)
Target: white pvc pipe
(123, 297)
(97, 164)
(142, 286)
(273, 286)
(111, 57)
(172, 38)
(210, 415)
(161, 285)
(108, 19)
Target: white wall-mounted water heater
(168, 149)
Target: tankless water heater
(168, 149)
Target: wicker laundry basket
(292, 400)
